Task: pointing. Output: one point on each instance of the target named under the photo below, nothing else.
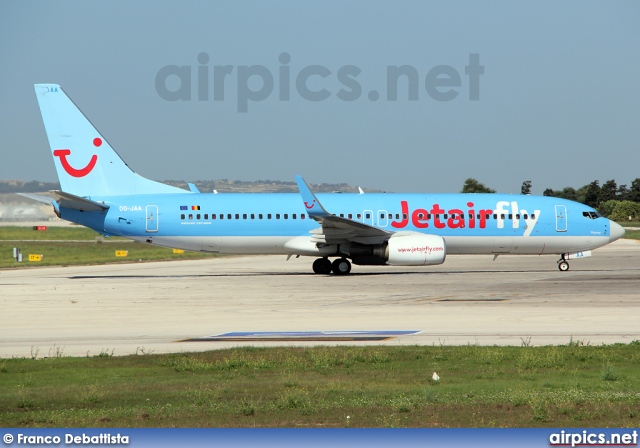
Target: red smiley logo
(63, 153)
(309, 207)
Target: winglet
(315, 210)
(193, 188)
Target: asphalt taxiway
(192, 305)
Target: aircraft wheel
(563, 266)
(322, 266)
(341, 266)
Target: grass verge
(77, 246)
(553, 386)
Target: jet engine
(402, 249)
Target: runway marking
(296, 336)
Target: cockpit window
(591, 215)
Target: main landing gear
(340, 266)
(563, 265)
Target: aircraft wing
(337, 230)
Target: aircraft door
(382, 218)
(152, 218)
(561, 218)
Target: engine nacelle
(415, 249)
(402, 249)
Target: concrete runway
(467, 300)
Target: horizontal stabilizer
(68, 200)
(38, 197)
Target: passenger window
(359, 216)
(350, 216)
(277, 215)
(182, 216)
(190, 216)
(206, 216)
(517, 215)
(221, 216)
(525, 216)
(495, 216)
(244, 216)
(237, 215)
(268, 215)
(293, 216)
(198, 216)
(445, 216)
(259, 215)
(510, 215)
(381, 215)
(342, 215)
(228, 215)
(253, 216)
(213, 216)
(368, 215)
(533, 216)
(286, 216)
(502, 216)
(302, 216)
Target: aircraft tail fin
(85, 162)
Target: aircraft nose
(616, 231)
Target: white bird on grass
(435, 377)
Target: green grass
(632, 234)
(629, 223)
(76, 246)
(52, 233)
(566, 386)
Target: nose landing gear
(563, 265)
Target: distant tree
(625, 210)
(606, 208)
(592, 193)
(634, 191)
(569, 193)
(623, 193)
(565, 193)
(526, 187)
(608, 191)
(471, 185)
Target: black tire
(563, 266)
(322, 266)
(341, 266)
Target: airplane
(100, 191)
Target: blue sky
(559, 99)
